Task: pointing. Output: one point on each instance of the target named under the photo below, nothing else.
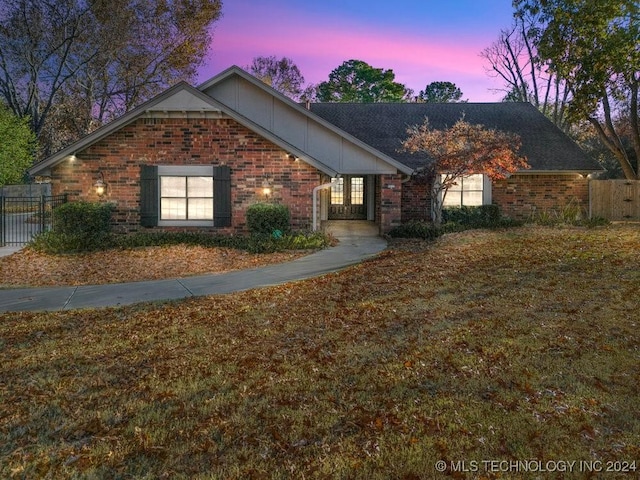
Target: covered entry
(348, 198)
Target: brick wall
(521, 196)
(388, 198)
(416, 200)
(188, 141)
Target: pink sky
(422, 41)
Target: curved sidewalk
(350, 250)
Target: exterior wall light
(100, 185)
(266, 188)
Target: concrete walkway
(351, 249)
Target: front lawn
(492, 351)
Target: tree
(17, 147)
(513, 58)
(357, 81)
(443, 92)
(97, 59)
(461, 150)
(283, 75)
(593, 47)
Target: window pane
(452, 199)
(200, 186)
(472, 182)
(357, 191)
(472, 199)
(200, 209)
(337, 192)
(173, 187)
(173, 209)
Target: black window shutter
(149, 195)
(222, 196)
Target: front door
(348, 198)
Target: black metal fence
(21, 218)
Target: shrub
(570, 214)
(160, 238)
(267, 218)
(82, 218)
(416, 229)
(306, 241)
(77, 226)
(480, 216)
(456, 220)
(263, 243)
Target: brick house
(197, 158)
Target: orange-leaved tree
(461, 150)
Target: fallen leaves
(30, 268)
(481, 345)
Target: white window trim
(183, 171)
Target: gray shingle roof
(384, 127)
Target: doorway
(348, 198)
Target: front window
(185, 195)
(469, 191)
(186, 198)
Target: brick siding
(522, 196)
(388, 198)
(519, 197)
(188, 141)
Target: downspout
(315, 200)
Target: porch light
(100, 186)
(266, 188)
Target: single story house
(197, 158)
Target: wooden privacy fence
(614, 199)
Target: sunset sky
(422, 41)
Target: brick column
(390, 206)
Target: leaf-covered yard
(31, 268)
(517, 345)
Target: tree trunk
(436, 202)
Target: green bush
(263, 243)
(82, 218)
(416, 229)
(267, 218)
(455, 220)
(77, 226)
(480, 216)
(160, 238)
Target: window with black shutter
(196, 195)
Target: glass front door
(348, 199)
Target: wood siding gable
(310, 137)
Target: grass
(511, 345)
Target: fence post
(43, 221)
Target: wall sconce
(266, 188)
(292, 157)
(100, 185)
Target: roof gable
(180, 97)
(260, 108)
(310, 137)
(384, 127)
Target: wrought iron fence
(21, 218)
